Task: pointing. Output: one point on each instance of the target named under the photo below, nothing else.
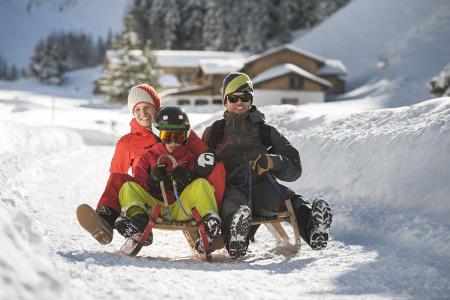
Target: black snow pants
(266, 200)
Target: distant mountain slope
(20, 29)
(413, 35)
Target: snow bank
(27, 270)
(386, 172)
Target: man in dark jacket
(254, 154)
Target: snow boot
(212, 224)
(99, 223)
(321, 218)
(134, 227)
(238, 235)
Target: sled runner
(194, 227)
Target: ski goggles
(244, 98)
(170, 136)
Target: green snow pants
(199, 194)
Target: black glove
(205, 164)
(158, 173)
(182, 177)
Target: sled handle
(161, 183)
(170, 157)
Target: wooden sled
(190, 231)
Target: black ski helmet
(172, 118)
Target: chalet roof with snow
(168, 81)
(333, 67)
(183, 90)
(284, 69)
(191, 59)
(286, 47)
(221, 66)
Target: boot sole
(240, 224)
(89, 220)
(321, 212)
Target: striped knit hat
(143, 93)
(236, 82)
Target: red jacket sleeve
(120, 162)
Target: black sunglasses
(243, 97)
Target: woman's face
(144, 113)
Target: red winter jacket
(182, 155)
(131, 147)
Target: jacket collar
(179, 153)
(254, 115)
(138, 128)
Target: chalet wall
(283, 57)
(184, 74)
(193, 100)
(282, 83)
(338, 83)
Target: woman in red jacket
(185, 188)
(143, 103)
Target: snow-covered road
(167, 268)
(383, 245)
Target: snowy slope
(385, 172)
(21, 29)
(413, 35)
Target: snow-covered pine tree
(440, 84)
(13, 73)
(214, 30)
(3, 68)
(190, 32)
(163, 23)
(47, 63)
(128, 63)
(255, 24)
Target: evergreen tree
(440, 84)
(164, 20)
(47, 63)
(190, 31)
(130, 63)
(279, 31)
(13, 73)
(214, 26)
(254, 23)
(3, 68)
(226, 24)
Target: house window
(201, 102)
(217, 101)
(296, 82)
(292, 101)
(183, 102)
